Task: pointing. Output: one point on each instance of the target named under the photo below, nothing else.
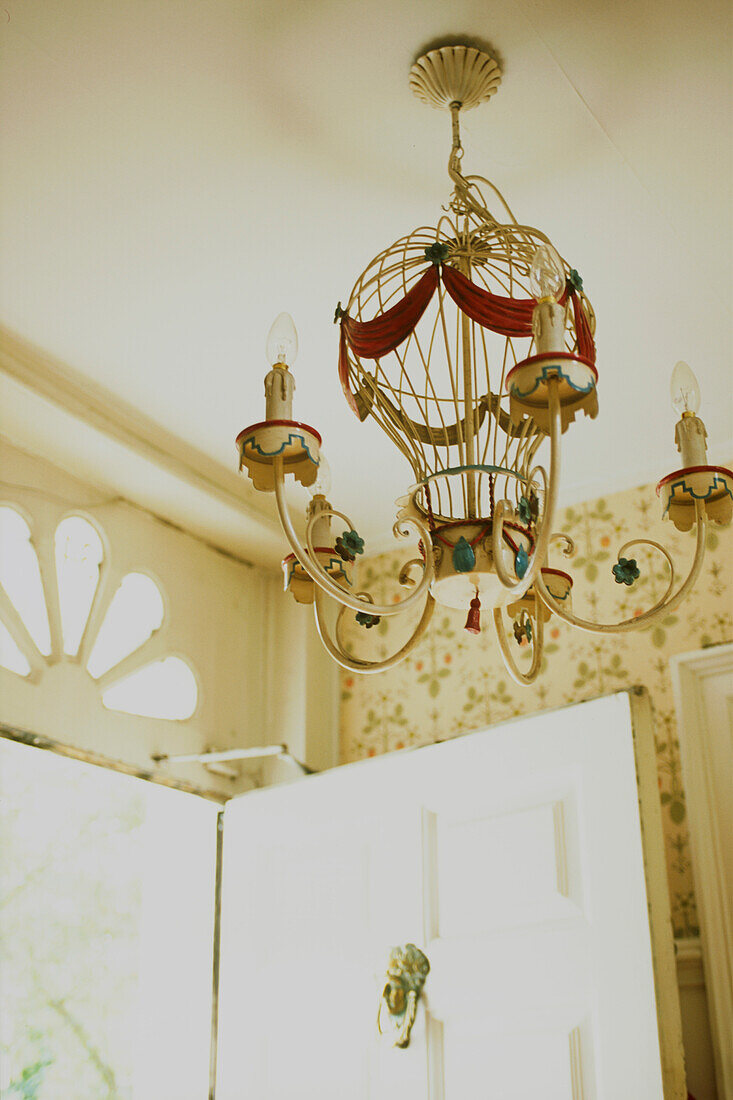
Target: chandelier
(471, 343)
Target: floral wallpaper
(454, 682)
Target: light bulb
(547, 274)
(685, 389)
(322, 485)
(282, 341)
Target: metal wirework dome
(440, 394)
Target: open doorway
(107, 913)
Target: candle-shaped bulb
(685, 389)
(282, 341)
(546, 275)
(322, 485)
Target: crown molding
(53, 410)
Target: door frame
(669, 1019)
(696, 737)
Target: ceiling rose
(471, 343)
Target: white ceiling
(176, 173)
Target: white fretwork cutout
(20, 576)
(79, 556)
(135, 612)
(162, 687)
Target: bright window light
(20, 576)
(162, 689)
(10, 656)
(79, 555)
(107, 921)
(134, 614)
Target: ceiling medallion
(471, 344)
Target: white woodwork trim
(53, 385)
(669, 1019)
(576, 1064)
(690, 970)
(431, 931)
(561, 849)
(689, 672)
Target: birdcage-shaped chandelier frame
(470, 343)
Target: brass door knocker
(406, 973)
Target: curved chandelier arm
(353, 664)
(522, 678)
(569, 546)
(519, 587)
(662, 607)
(319, 575)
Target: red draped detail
(586, 345)
(386, 332)
(512, 316)
(507, 316)
(344, 372)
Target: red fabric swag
(344, 372)
(511, 316)
(386, 332)
(586, 346)
(507, 316)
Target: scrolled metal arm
(354, 664)
(537, 643)
(662, 607)
(319, 575)
(519, 587)
(568, 544)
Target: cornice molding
(67, 390)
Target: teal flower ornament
(437, 253)
(349, 545)
(625, 571)
(464, 558)
(524, 510)
(365, 619)
(575, 280)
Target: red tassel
(473, 622)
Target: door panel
(514, 1064)
(311, 899)
(513, 857)
(526, 852)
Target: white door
(513, 858)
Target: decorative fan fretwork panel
(124, 624)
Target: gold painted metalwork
(407, 970)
